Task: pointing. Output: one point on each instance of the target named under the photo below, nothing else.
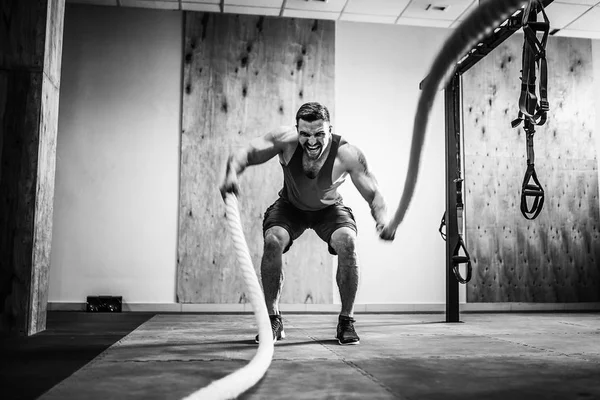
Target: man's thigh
(283, 215)
(331, 219)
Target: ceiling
(575, 18)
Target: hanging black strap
(533, 190)
(533, 111)
(534, 54)
(531, 187)
(457, 260)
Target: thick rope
(231, 386)
(472, 30)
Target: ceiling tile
(438, 23)
(376, 7)
(578, 34)
(203, 1)
(419, 9)
(378, 19)
(315, 5)
(590, 21)
(94, 2)
(251, 10)
(310, 14)
(200, 7)
(162, 5)
(561, 14)
(455, 23)
(255, 3)
(468, 10)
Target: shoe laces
(275, 322)
(347, 325)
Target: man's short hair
(312, 111)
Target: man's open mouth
(313, 150)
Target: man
(315, 163)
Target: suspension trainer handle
(457, 260)
(442, 226)
(531, 190)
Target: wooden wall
(243, 76)
(31, 51)
(555, 258)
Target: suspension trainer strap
(533, 111)
(458, 182)
(456, 258)
(534, 57)
(531, 185)
(460, 207)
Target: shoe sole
(349, 343)
(281, 336)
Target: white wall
(377, 75)
(596, 62)
(115, 229)
(116, 199)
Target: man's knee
(276, 240)
(343, 242)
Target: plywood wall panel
(243, 76)
(556, 257)
(44, 205)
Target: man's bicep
(362, 178)
(365, 183)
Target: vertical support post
(451, 104)
(31, 33)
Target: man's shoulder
(350, 156)
(283, 136)
(347, 152)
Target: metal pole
(452, 104)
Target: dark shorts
(295, 221)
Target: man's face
(314, 137)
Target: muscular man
(315, 163)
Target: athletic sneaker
(345, 331)
(277, 327)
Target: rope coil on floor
(231, 386)
(480, 22)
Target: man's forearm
(237, 163)
(378, 209)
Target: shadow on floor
(29, 366)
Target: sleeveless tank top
(306, 193)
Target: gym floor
(401, 356)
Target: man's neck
(313, 167)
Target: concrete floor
(487, 356)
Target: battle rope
(531, 111)
(480, 22)
(231, 386)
